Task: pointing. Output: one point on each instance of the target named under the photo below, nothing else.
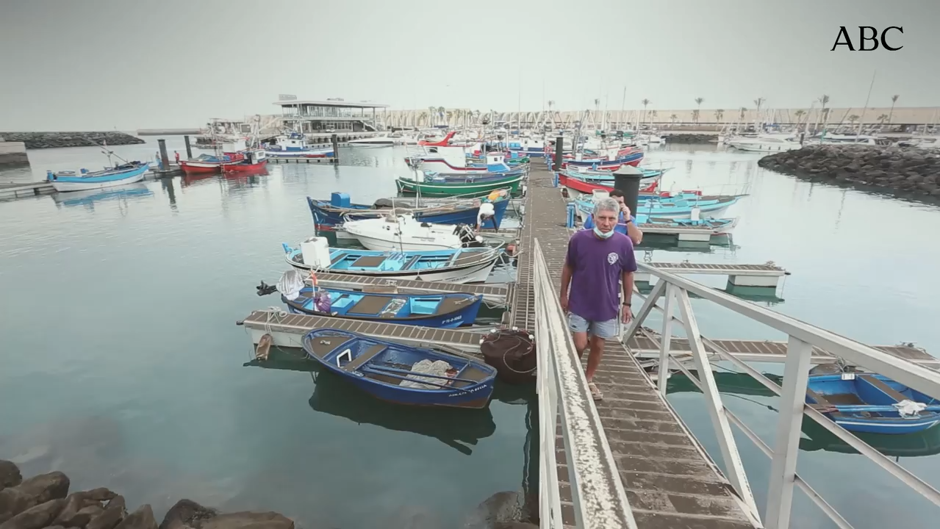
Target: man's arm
(565, 283)
(627, 280)
(635, 234)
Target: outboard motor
(467, 237)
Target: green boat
(468, 187)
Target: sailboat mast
(867, 98)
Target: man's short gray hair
(606, 204)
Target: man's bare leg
(594, 358)
(580, 342)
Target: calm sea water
(123, 367)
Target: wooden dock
(744, 275)
(25, 189)
(497, 294)
(669, 480)
(647, 346)
(287, 330)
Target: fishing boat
(253, 162)
(647, 185)
(461, 265)
(764, 143)
(402, 374)
(438, 143)
(402, 232)
(328, 215)
(714, 225)
(444, 311)
(495, 163)
(470, 186)
(83, 180)
(868, 402)
(679, 207)
(381, 140)
(210, 163)
(294, 145)
(600, 176)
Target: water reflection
(89, 198)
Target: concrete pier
(13, 153)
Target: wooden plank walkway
(670, 481)
(493, 293)
(287, 331)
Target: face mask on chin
(601, 234)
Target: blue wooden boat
(401, 374)
(607, 177)
(83, 180)
(328, 215)
(866, 402)
(460, 265)
(429, 310)
(670, 207)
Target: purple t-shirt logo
(596, 267)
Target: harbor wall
(13, 153)
(51, 140)
(904, 171)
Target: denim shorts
(602, 329)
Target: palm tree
(894, 99)
(882, 118)
(741, 116)
(652, 115)
(695, 115)
(450, 115)
(645, 103)
(440, 113)
(720, 113)
(422, 116)
(824, 99)
(799, 115)
(673, 118)
(853, 118)
(758, 102)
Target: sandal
(595, 392)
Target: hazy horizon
(105, 64)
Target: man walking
(598, 262)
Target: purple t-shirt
(596, 267)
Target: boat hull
(448, 190)
(647, 185)
(465, 315)
(68, 183)
(477, 272)
(381, 374)
(329, 218)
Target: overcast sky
(129, 64)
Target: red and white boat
(441, 143)
(227, 162)
(578, 186)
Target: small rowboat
(402, 374)
(861, 402)
(647, 185)
(463, 265)
(83, 180)
(328, 215)
(444, 311)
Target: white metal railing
(596, 490)
(802, 338)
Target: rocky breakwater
(44, 501)
(909, 171)
(51, 140)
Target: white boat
(374, 141)
(294, 145)
(402, 233)
(764, 143)
(648, 138)
(82, 180)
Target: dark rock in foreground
(50, 140)
(690, 138)
(44, 502)
(910, 171)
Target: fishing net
(512, 353)
(427, 367)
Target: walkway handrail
(598, 495)
(802, 338)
